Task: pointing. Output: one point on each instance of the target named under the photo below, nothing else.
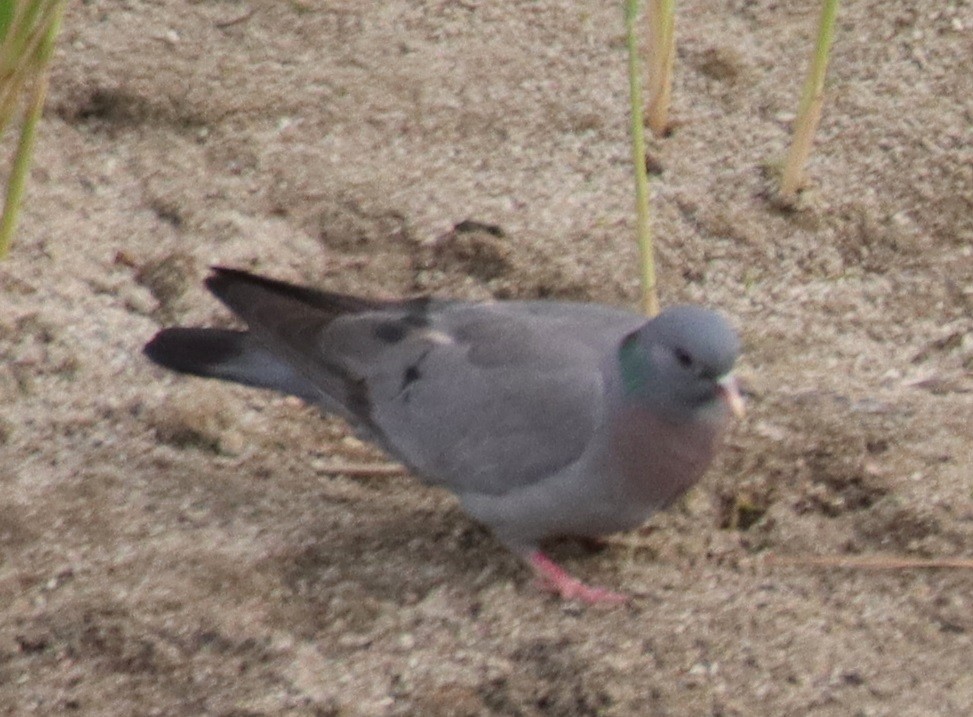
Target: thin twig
(363, 469)
(223, 24)
(662, 57)
(871, 562)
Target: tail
(229, 356)
(282, 349)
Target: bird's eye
(684, 359)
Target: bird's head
(679, 364)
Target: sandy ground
(170, 546)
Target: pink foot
(553, 577)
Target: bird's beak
(730, 391)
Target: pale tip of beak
(731, 394)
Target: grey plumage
(545, 418)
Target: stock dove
(545, 418)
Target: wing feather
(475, 397)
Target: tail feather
(281, 349)
(241, 290)
(227, 355)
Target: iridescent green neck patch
(632, 364)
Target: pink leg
(553, 577)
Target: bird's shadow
(389, 554)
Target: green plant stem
(662, 56)
(650, 296)
(21, 167)
(28, 132)
(812, 100)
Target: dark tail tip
(194, 350)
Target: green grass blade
(6, 18)
(812, 100)
(650, 295)
(26, 67)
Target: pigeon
(545, 418)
